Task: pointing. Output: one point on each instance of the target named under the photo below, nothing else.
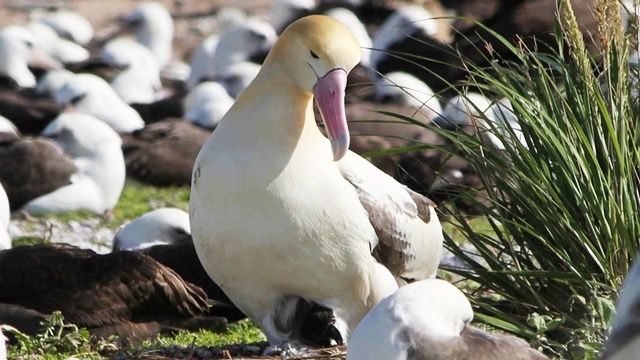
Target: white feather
(95, 150)
(98, 99)
(155, 227)
(434, 309)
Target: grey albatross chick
(125, 293)
(163, 153)
(429, 320)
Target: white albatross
(158, 227)
(429, 320)
(95, 150)
(280, 213)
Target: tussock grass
(563, 204)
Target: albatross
(281, 214)
(429, 320)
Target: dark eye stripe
(313, 55)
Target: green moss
(242, 332)
(28, 240)
(137, 199)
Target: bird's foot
(286, 349)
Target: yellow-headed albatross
(279, 212)
(429, 320)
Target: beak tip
(340, 146)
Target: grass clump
(57, 340)
(242, 332)
(562, 197)
(563, 201)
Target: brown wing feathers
(95, 290)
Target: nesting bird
(140, 81)
(206, 104)
(309, 219)
(152, 27)
(17, 52)
(89, 94)
(95, 151)
(430, 319)
(158, 227)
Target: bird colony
(263, 120)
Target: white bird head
(90, 94)
(161, 226)
(6, 126)
(206, 104)
(285, 10)
(152, 26)
(68, 24)
(406, 89)
(17, 51)
(407, 20)
(465, 110)
(434, 309)
(238, 76)
(63, 50)
(52, 81)
(140, 81)
(81, 135)
(242, 41)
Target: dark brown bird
(125, 293)
(31, 167)
(163, 153)
(317, 327)
(29, 112)
(181, 257)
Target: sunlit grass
(242, 332)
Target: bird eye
(313, 55)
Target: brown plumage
(316, 321)
(29, 113)
(121, 290)
(163, 153)
(182, 258)
(31, 167)
(169, 107)
(474, 344)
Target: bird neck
(106, 168)
(279, 112)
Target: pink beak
(329, 94)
